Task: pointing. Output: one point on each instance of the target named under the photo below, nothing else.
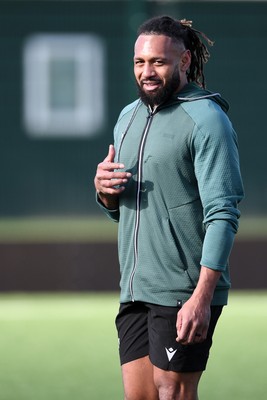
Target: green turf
(57, 229)
(237, 366)
(90, 229)
(64, 346)
(58, 347)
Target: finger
(188, 333)
(198, 337)
(110, 183)
(192, 338)
(183, 332)
(178, 325)
(201, 330)
(109, 167)
(106, 183)
(205, 333)
(113, 190)
(194, 335)
(111, 154)
(183, 329)
(114, 178)
(108, 162)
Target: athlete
(172, 181)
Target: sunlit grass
(64, 346)
(236, 369)
(56, 229)
(90, 229)
(58, 347)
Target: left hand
(193, 321)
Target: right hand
(109, 183)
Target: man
(172, 181)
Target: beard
(162, 94)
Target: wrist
(202, 296)
(108, 201)
(204, 290)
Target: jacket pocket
(187, 231)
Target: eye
(158, 62)
(138, 62)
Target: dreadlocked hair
(182, 31)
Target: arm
(216, 162)
(194, 317)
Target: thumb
(179, 324)
(111, 154)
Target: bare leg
(176, 385)
(138, 380)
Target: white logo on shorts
(170, 352)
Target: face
(160, 66)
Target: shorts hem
(132, 357)
(182, 369)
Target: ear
(185, 60)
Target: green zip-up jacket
(179, 209)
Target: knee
(167, 387)
(144, 395)
(172, 386)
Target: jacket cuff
(218, 244)
(112, 214)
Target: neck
(182, 84)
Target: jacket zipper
(138, 198)
(127, 128)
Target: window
(63, 85)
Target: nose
(148, 70)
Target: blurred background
(65, 74)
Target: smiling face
(160, 66)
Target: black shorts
(147, 329)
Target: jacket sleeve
(216, 161)
(112, 214)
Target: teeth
(151, 84)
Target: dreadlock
(182, 31)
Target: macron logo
(170, 353)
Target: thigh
(131, 323)
(138, 380)
(182, 385)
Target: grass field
(97, 229)
(64, 346)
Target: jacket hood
(192, 92)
